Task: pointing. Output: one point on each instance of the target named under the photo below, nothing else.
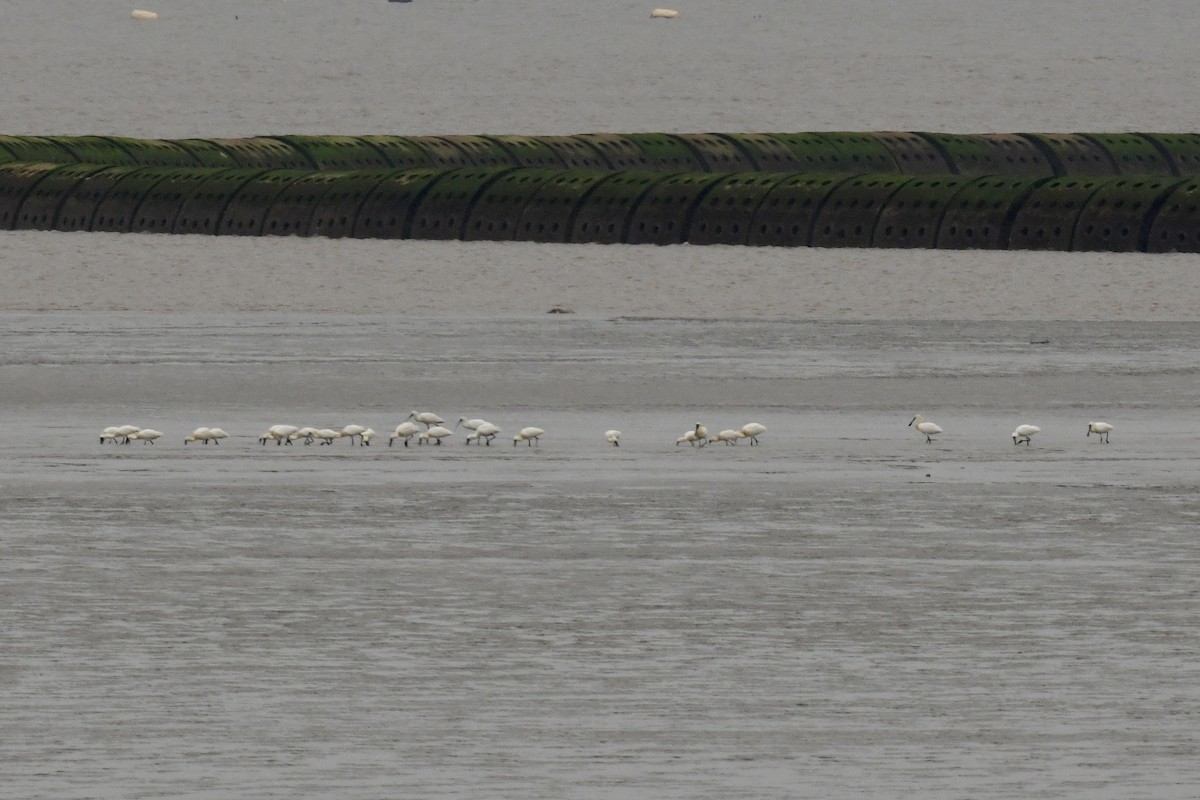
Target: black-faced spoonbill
(279, 433)
(689, 437)
(1102, 428)
(405, 431)
(1024, 432)
(351, 431)
(198, 435)
(472, 425)
(752, 430)
(327, 435)
(306, 433)
(125, 431)
(485, 431)
(613, 437)
(146, 435)
(427, 418)
(436, 433)
(928, 429)
(529, 435)
(728, 436)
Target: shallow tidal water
(839, 611)
(844, 611)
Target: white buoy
(140, 14)
(664, 13)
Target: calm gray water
(232, 68)
(844, 611)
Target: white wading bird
(614, 437)
(122, 433)
(689, 437)
(728, 436)
(279, 434)
(471, 425)
(927, 429)
(530, 435)
(436, 433)
(327, 435)
(146, 435)
(487, 431)
(1102, 428)
(366, 436)
(426, 418)
(216, 434)
(350, 431)
(752, 430)
(305, 433)
(1024, 433)
(198, 435)
(405, 431)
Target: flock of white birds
(483, 432)
(700, 435)
(1023, 433)
(479, 431)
